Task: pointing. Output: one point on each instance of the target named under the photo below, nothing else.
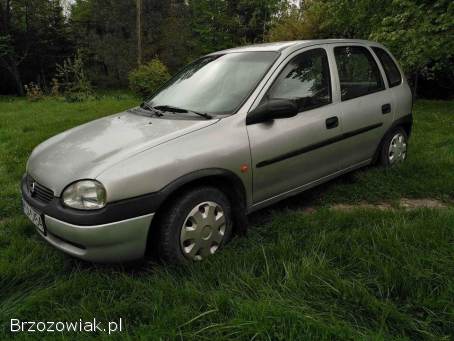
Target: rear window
(358, 72)
(391, 70)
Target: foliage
(354, 19)
(33, 92)
(55, 90)
(175, 31)
(6, 47)
(148, 78)
(106, 31)
(293, 25)
(35, 36)
(419, 33)
(220, 24)
(360, 274)
(211, 26)
(175, 44)
(322, 19)
(73, 80)
(422, 36)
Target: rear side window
(305, 80)
(391, 70)
(358, 73)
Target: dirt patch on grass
(405, 203)
(421, 203)
(349, 207)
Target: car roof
(284, 45)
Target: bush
(55, 89)
(33, 92)
(72, 80)
(148, 78)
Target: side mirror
(272, 109)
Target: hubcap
(203, 231)
(397, 149)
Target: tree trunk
(14, 70)
(9, 62)
(6, 15)
(415, 85)
(139, 32)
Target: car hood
(87, 150)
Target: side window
(391, 70)
(305, 80)
(358, 73)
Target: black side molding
(317, 145)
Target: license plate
(34, 216)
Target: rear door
(287, 153)
(398, 87)
(366, 104)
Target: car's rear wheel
(195, 225)
(394, 148)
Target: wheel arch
(405, 122)
(226, 181)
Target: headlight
(85, 195)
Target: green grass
(361, 274)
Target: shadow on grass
(303, 201)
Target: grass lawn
(329, 274)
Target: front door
(288, 153)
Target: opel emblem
(32, 188)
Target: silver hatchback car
(233, 132)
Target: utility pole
(139, 32)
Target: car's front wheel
(195, 225)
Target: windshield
(215, 84)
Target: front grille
(39, 191)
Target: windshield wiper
(181, 110)
(148, 107)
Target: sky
(66, 4)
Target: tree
(139, 31)
(176, 45)
(421, 34)
(294, 23)
(108, 32)
(211, 25)
(9, 56)
(253, 17)
(119, 34)
(33, 38)
(221, 24)
(322, 19)
(105, 30)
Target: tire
(194, 221)
(394, 148)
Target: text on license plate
(34, 216)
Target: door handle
(386, 108)
(332, 122)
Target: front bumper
(116, 233)
(114, 242)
